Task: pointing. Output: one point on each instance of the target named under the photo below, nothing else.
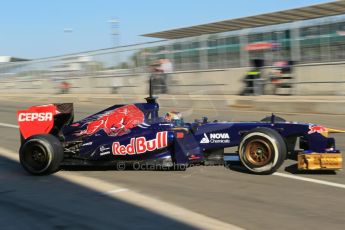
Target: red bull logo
(117, 122)
(140, 145)
(317, 129)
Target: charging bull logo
(317, 129)
(117, 122)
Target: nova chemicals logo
(205, 139)
(215, 138)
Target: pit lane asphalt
(248, 201)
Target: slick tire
(22, 139)
(41, 154)
(262, 151)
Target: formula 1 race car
(136, 133)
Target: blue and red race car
(135, 133)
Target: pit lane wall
(309, 79)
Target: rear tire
(262, 151)
(22, 139)
(41, 154)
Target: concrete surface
(267, 103)
(230, 196)
(309, 79)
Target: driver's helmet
(173, 117)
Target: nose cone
(335, 131)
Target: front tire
(262, 151)
(41, 154)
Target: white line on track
(116, 191)
(160, 207)
(323, 182)
(9, 125)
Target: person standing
(65, 87)
(253, 79)
(155, 76)
(165, 68)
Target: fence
(201, 59)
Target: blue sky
(34, 29)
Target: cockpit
(150, 111)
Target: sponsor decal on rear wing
(36, 120)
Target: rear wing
(44, 119)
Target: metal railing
(319, 42)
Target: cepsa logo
(140, 145)
(35, 116)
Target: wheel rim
(36, 158)
(258, 152)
